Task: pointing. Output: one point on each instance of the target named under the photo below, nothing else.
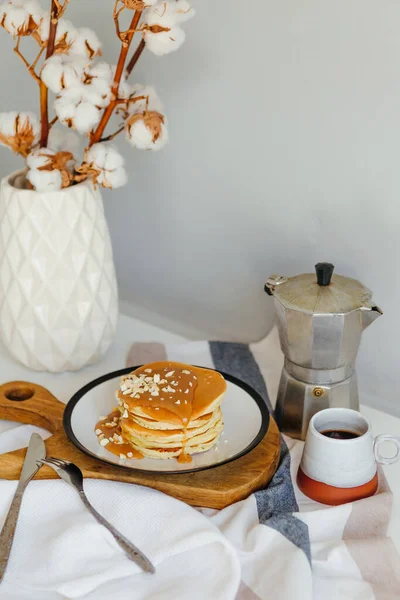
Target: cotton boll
(86, 117)
(102, 70)
(44, 28)
(20, 18)
(168, 14)
(104, 75)
(15, 123)
(32, 6)
(34, 9)
(147, 131)
(160, 25)
(183, 10)
(125, 90)
(164, 42)
(39, 158)
(13, 19)
(115, 179)
(107, 165)
(140, 137)
(29, 120)
(46, 180)
(160, 18)
(74, 110)
(98, 91)
(96, 94)
(97, 155)
(86, 43)
(66, 103)
(63, 71)
(66, 33)
(7, 123)
(48, 170)
(98, 83)
(19, 131)
(113, 159)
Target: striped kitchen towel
(288, 546)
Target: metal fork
(73, 476)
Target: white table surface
(130, 330)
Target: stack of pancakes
(171, 410)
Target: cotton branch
(31, 68)
(61, 8)
(116, 13)
(113, 135)
(135, 57)
(126, 40)
(56, 11)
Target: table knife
(36, 452)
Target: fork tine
(52, 461)
(62, 462)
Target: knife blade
(36, 452)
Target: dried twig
(113, 135)
(132, 100)
(38, 39)
(116, 13)
(61, 8)
(135, 57)
(55, 12)
(98, 134)
(124, 36)
(31, 68)
(53, 122)
(35, 62)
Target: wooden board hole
(19, 394)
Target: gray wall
(285, 150)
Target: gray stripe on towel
(238, 360)
(277, 503)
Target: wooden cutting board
(214, 488)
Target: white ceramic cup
(334, 471)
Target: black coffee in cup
(340, 434)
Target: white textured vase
(58, 290)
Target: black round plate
(246, 418)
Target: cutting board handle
(31, 404)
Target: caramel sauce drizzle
(110, 429)
(166, 392)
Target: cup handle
(386, 460)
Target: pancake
(163, 416)
(165, 410)
(177, 437)
(195, 441)
(167, 453)
(130, 428)
(152, 424)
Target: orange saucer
(328, 494)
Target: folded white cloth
(276, 544)
(60, 548)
